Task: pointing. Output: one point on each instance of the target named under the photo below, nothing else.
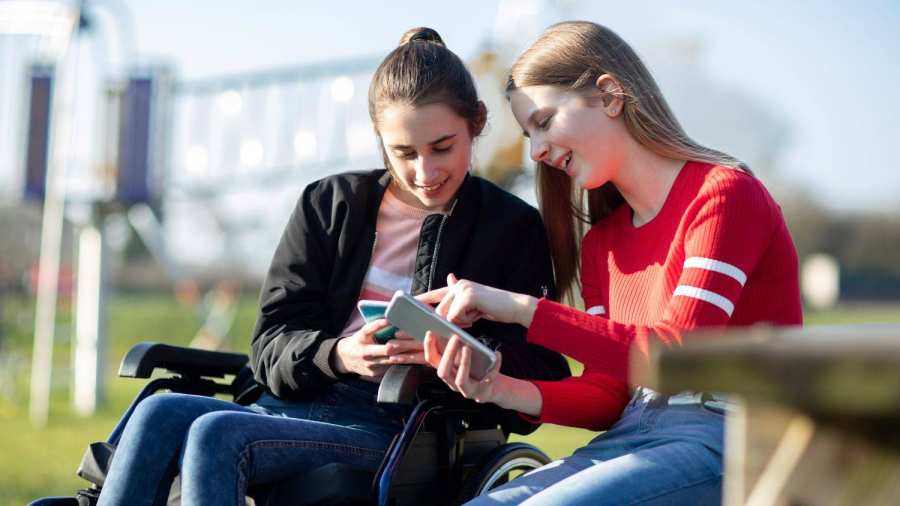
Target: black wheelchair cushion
(332, 484)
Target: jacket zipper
(437, 245)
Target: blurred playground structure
(205, 172)
(138, 178)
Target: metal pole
(51, 232)
(90, 318)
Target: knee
(216, 431)
(154, 411)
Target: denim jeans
(661, 451)
(221, 448)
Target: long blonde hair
(574, 54)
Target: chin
(587, 182)
(434, 204)
(583, 183)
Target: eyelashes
(413, 155)
(544, 123)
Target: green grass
(36, 462)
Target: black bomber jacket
(489, 236)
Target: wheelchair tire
(495, 468)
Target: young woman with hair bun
(352, 236)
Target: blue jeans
(221, 448)
(660, 452)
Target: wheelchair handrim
(520, 463)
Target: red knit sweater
(717, 254)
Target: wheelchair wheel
(500, 466)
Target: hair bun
(422, 33)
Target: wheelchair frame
(464, 470)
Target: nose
(426, 169)
(539, 149)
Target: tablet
(416, 318)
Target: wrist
(518, 395)
(503, 390)
(526, 305)
(337, 363)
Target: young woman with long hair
(681, 237)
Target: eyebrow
(432, 143)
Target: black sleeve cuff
(322, 359)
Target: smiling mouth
(563, 162)
(431, 188)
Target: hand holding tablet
(416, 319)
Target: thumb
(496, 369)
(451, 279)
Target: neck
(645, 180)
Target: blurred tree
(808, 222)
(864, 244)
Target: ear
(480, 119)
(611, 93)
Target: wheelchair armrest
(401, 383)
(143, 358)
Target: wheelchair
(448, 451)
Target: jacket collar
(459, 226)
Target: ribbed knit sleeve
(730, 229)
(722, 236)
(591, 401)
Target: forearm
(592, 401)
(291, 362)
(521, 359)
(525, 307)
(518, 395)
(591, 340)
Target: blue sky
(829, 69)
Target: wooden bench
(818, 413)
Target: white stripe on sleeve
(596, 310)
(716, 266)
(706, 296)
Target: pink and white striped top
(393, 260)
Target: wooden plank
(819, 420)
(848, 372)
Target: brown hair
(421, 71)
(574, 55)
